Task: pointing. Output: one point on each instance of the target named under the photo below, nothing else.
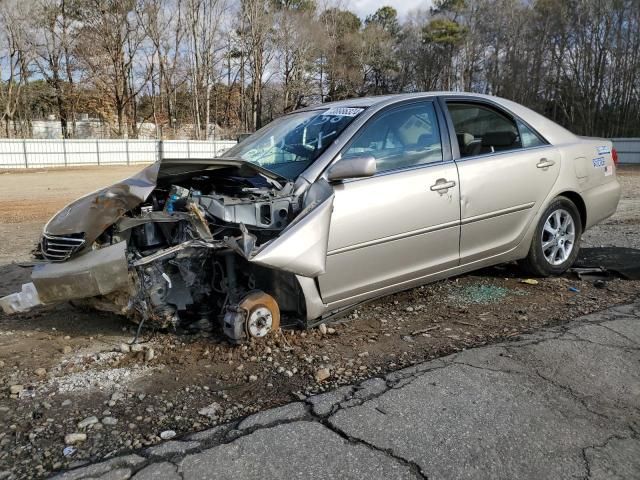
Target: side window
(481, 130)
(403, 137)
(528, 137)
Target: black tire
(536, 262)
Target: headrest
(498, 139)
(465, 138)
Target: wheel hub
(259, 322)
(558, 237)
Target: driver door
(404, 222)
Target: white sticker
(343, 111)
(608, 170)
(598, 162)
(603, 150)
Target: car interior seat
(498, 141)
(468, 144)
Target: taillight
(614, 156)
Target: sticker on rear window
(343, 111)
(598, 162)
(603, 150)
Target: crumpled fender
(301, 248)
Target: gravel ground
(72, 390)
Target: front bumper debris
(21, 301)
(97, 272)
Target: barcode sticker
(343, 111)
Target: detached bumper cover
(21, 301)
(97, 272)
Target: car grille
(58, 248)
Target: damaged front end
(188, 244)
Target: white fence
(68, 153)
(628, 150)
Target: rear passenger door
(506, 171)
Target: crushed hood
(93, 213)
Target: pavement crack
(619, 334)
(571, 393)
(587, 464)
(606, 442)
(576, 338)
(413, 467)
(496, 370)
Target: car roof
(550, 130)
(365, 102)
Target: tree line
(216, 68)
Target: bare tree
(256, 36)
(204, 19)
(111, 38)
(164, 25)
(52, 34)
(194, 64)
(15, 55)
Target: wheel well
(580, 205)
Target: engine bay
(185, 273)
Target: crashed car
(325, 208)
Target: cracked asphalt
(563, 402)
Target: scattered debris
(530, 281)
(211, 411)
(623, 261)
(482, 294)
(69, 451)
(87, 422)
(425, 330)
(16, 389)
(167, 434)
(149, 354)
(109, 421)
(95, 379)
(322, 374)
(600, 283)
(72, 438)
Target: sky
(367, 7)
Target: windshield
(288, 145)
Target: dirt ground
(71, 366)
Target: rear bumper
(97, 272)
(601, 202)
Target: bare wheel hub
(259, 322)
(263, 314)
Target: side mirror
(355, 167)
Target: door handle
(442, 184)
(544, 163)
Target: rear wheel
(556, 241)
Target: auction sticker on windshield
(343, 111)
